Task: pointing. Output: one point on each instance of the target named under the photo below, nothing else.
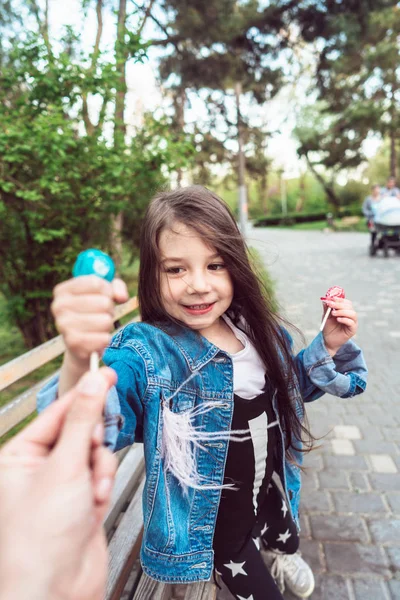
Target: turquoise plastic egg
(94, 262)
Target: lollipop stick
(94, 362)
(328, 312)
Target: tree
(60, 190)
(216, 47)
(357, 72)
(330, 144)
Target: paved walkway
(351, 493)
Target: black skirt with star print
(249, 466)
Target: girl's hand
(83, 309)
(341, 325)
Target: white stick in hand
(328, 312)
(94, 362)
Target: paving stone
(371, 433)
(370, 589)
(385, 530)
(367, 503)
(356, 559)
(322, 431)
(392, 434)
(394, 587)
(318, 501)
(344, 447)
(362, 421)
(333, 479)
(382, 463)
(312, 553)
(347, 432)
(309, 481)
(394, 501)
(352, 463)
(383, 419)
(359, 482)
(394, 557)
(374, 447)
(334, 528)
(330, 587)
(385, 482)
(313, 460)
(305, 530)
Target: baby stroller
(386, 226)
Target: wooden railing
(24, 405)
(124, 520)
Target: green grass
(264, 276)
(340, 225)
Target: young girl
(208, 382)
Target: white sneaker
(292, 570)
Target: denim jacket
(156, 363)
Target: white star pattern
(236, 568)
(265, 529)
(284, 508)
(243, 598)
(257, 543)
(283, 537)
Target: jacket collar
(196, 349)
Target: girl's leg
(276, 526)
(280, 538)
(246, 575)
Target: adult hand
(55, 485)
(341, 325)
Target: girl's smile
(196, 287)
(199, 309)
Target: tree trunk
(243, 209)
(393, 153)
(328, 187)
(40, 327)
(263, 193)
(121, 57)
(393, 121)
(302, 194)
(180, 119)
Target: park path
(351, 491)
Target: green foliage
(265, 278)
(353, 194)
(357, 75)
(60, 190)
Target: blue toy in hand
(94, 262)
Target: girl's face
(196, 288)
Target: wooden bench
(124, 520)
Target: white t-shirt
(248, 368)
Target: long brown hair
(202, 210)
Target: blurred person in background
(391, 188)
(369, 208)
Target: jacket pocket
(178, 402)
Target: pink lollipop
(333, 293)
